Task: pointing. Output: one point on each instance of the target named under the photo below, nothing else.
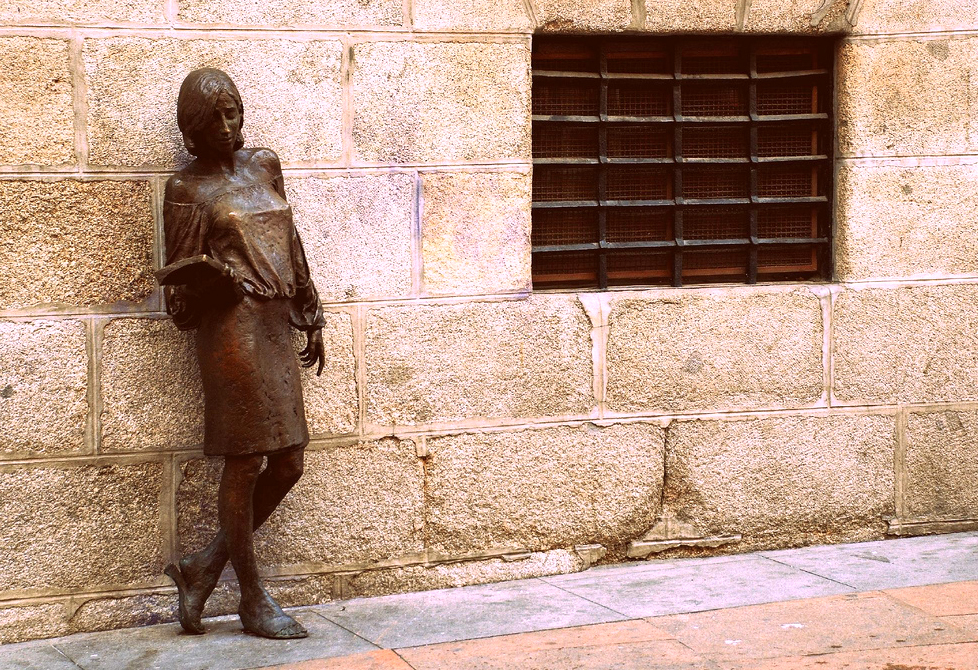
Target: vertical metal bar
(603, 169)
(752, 110)
(677, 165)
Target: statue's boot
(193, 589)
(266, 619)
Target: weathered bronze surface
(236, 272)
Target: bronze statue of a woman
(242, 281)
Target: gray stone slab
(33, 656)
(674, 587)
(224, 647)
(888, 564)
(448, 615)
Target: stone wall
(464, 429)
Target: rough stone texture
(942, 465)
(422, 102)
(133, 84)
(151, 392)
(36, 117)
(33, 12)
(907, 97)
(696, 16)
(907, 221)
(475, 233)
(75, 242)
(715, 350)
(471, 15)
(292, 13)
(466, 573)
(782, 481)
(482, 359)
(796, 16)
(912, 16)
(43, 387)
(543, 489)
(109, 613)
(583, 15)
(354, 504)
(80, 526)
(31, 622)
(331, 398)
(357, 233)
(909, 344)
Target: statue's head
(202, 95)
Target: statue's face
(218, 137)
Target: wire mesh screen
(698, 160)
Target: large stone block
(436, 102)
(907, 97)
(33, 12)
(291, 92)
(583, 15)
(36, 115)
(355, 504)
(80, 527)
(715, 350)
(915, 16)
(696, 16)
(942, 465)
(76, 243)
(151, 392)
(31, 622)
(43, 387)
(481, 359)
(543, 489)
(909, 344)
(330, 399)
(475, 233)
(357, 233)
(782, 481)
(907, 221)
(471, 15)
(292, 13)
(796, 16)
(124, 611)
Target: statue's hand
(314, 351)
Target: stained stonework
(133, 84)
(354, 504)
(421, 102)
(907, 97)
(471, 15)
(485, 359)
(34, 12)
(541, 489)
(43, 387)
(30, 622)
(691, 16)
(292, 13)
(92, 240)
(356, 231)
(583, 15)
(909, 344)
(151, 392)
(475, 233)
(736, 349)
(36, 115)
(915, 16)
(65, 526)
(783, 481)
(942, 465)
(898, 221)
(797, 16)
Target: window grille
(664, 161)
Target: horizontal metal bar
(789, 240)
(791, 74)
(556, 74)
(762, 118)
(642, 244)
(637, 119)
(638, 161)
(732, 76)
(790, 159)
(566, 161)
(554, 248)
(713, 201)
(565, 119)
(561, 204)
(649, 76)
(790, 201)
(637, 203)
(709, 161)
(730, 242)
(712, 119)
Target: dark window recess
(670, 161)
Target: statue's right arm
(181, 226)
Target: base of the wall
(914, 527)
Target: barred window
(670, 161)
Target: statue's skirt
(252, 391)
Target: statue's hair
(195, 105)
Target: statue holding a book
(237, 273)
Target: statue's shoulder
(266, 160)
(182, 187)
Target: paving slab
(380, 659)
(934, 657)
(224, 647)
(34, 656)
(942, 600)
(815, 626)
(671, 587)
(888, 564)
(445, 615)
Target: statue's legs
(199, 572)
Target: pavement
(902, 604)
